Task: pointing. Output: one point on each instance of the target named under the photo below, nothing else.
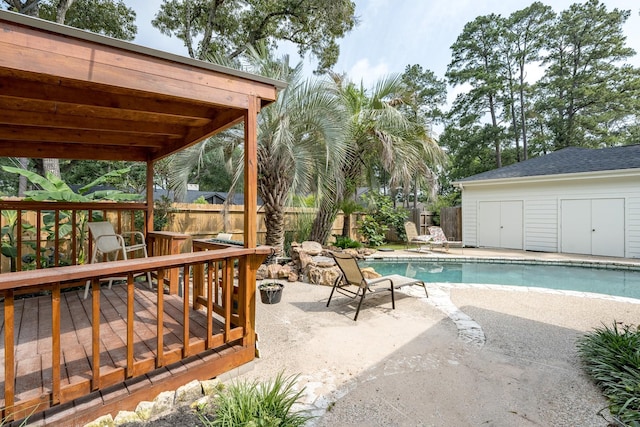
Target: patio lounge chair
(352, 276)
(108, 244)
(413, 238)
(438, 238)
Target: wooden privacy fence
(202, 221)
(59, 347)
(451, 222)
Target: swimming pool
(619, 282)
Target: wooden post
(149, 219)
(247, 277)
(251, 173)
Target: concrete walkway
(466, 356)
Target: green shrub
(258, 405)
(611, 356)
(201, 201)
(372, 230)
(382, 216)
(344, 242)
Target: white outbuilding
(574, 200)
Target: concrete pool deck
(468, 355)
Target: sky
(395, 33)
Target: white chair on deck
(108, 244)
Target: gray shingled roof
(566, 161)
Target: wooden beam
(220, 122)
(56, 133)
(71, 151)
(21, 84)
(42, 113)
(251, 174)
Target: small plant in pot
(270, 292)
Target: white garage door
(593, 227)
(500, 224)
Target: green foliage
(372, 230)
(201, 201)
(107, 17)
(382, 216)
(444, 201)
(257, 405)
(54, 189)
(345, 242)
(299, 230)
(611, 356)
(230, 27)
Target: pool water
(624, 283)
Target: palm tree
(379, 136)
(300, 141)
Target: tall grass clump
(611, 356)
(253, 404)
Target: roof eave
(616, 173)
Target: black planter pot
(270, 293)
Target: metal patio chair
(352, 277)
(413, 238)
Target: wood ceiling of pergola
(66, 93)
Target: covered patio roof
(68, 93)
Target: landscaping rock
(188, 392)
(322, 275)
(103, 421)
(370, 273)
(163, 402)
(284, 272)
(261, 274)
(293, 276)
(144, 410)
(312, 248)
(125, 417)
(272, 271)
(210, 387)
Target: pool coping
(603, 264)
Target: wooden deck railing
(49, 234)
(212, 272)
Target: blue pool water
(624, 283)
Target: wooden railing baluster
(95, 333)
(227, 294)
(55, 344)
(210, 266)
(19, 240)
(9, 354)
(130, 324)
(185, 311)
(56, 239)
(38, 235)
(160, 320)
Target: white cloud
(363, 71)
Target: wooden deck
(77, 359)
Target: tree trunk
(346, 225)
(274, 219)
(323, 222)
(63, 8)
(22, 183)
(51, 166)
